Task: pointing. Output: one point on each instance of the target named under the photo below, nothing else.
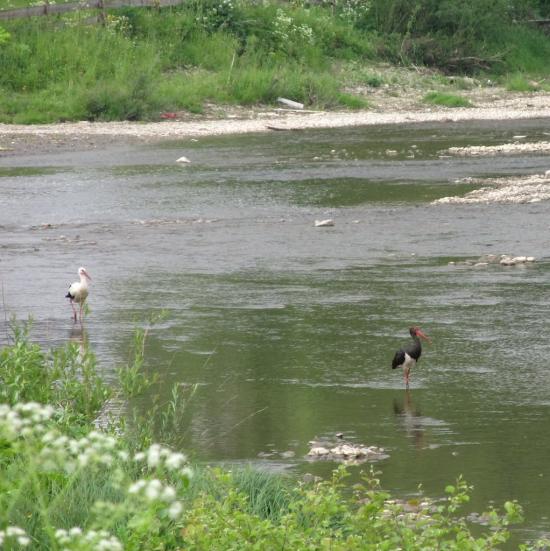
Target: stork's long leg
(74, 310)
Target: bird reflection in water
(410, 418)
(79, 336)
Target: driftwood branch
(473, 61)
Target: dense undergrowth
(142, 62)
(66, 484)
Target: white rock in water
(547, 174)
(183, 160)
(324, 223)
(318, 451)
(519, 259)
(531, 259)
(507, 261)
(346, 450)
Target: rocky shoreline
(17, 139)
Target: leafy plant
(4, 35)
(67, 377)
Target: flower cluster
(24, 420)
(160, 457)
(67, 454)
(118, 24)
(216, 15)
(286, 29)
(351, 10)
(96, 540)
(16, 534)
(155, 491)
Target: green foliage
(463, 36)
(132, 377)
(353, 102)
(446, 100)
(142, 62)
(4, 36)
(88, 492)
(67, 377)
(324, 516)
(519, 83)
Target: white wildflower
(175, 461)
(175, 510)
(136, 487)
(168, 494)
(140, 456)
(187, 472)
(153, 456)
(12, 531)
(153, 489)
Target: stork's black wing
(398, 359)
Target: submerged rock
(488, 259)
(347, 452)
(507, 260)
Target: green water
(289, 330)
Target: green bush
(66, 378)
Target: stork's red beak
(87, 274)
(423, 336)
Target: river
(289, 329)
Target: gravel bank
(35, 138)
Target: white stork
(78, 291)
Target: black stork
(407, 356)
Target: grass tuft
(446, 100)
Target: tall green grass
(146, 61)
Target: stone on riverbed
(507, 260)
(324, 223)
(487, 259)
(347, 452)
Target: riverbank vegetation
(74, 478)
(141, 63)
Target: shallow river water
(289, 330)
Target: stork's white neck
(83, 280)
